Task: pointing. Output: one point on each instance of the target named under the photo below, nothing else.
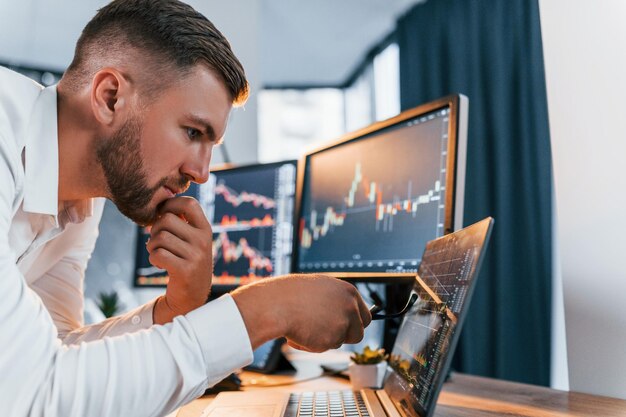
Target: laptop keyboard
(326, 404)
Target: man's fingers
(187, 207)
(173, 224)
(355, 331)
(364, 311)
(170, 242)
(162, 258)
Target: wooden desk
(466, 395)
(462, 396)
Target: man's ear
(110, 96)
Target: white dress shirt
(50, 364)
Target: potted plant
(367, 369)
(108, 303)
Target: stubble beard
(122, 164)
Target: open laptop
(421, 355)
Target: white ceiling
(322, 42)
(317, 42)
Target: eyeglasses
(376, 308)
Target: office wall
(584, 43)
(239, 21)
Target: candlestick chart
(250, 211)
(372, 204)
(425, 339)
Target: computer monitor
(251, 211)
(368, 203)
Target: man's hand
(314, 312)
(181, 243)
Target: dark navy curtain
(490, 50)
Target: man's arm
(313, 312)
(180, 242)
(145, 373)
(61, 287)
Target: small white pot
(367, 376)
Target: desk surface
(462, 396)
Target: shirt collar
(41, 171)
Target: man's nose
(198, 166)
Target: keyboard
(326, 404)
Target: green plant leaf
(108, 303)
(369, 356)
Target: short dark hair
(168, 32)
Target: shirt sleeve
(144, 373)
(61, 287)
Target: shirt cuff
(141, 317)
(222, 336)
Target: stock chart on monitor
(371, 203)
(251, 212)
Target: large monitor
(251, 211)
(369, 202)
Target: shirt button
(135, 320)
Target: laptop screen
(427, 337)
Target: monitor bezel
(249, 166)
(220, 289)
(457, 151)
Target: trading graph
(424, 340)
(251, 214)
(239, 255)
(372, 204)
(382, 213)
(231, 197)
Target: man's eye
(193, 133)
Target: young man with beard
(134, 119)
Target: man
(134, 119)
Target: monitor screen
(369, 203)
(251, 211)
(423, 349)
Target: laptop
(420, 357)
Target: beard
(123, 167)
